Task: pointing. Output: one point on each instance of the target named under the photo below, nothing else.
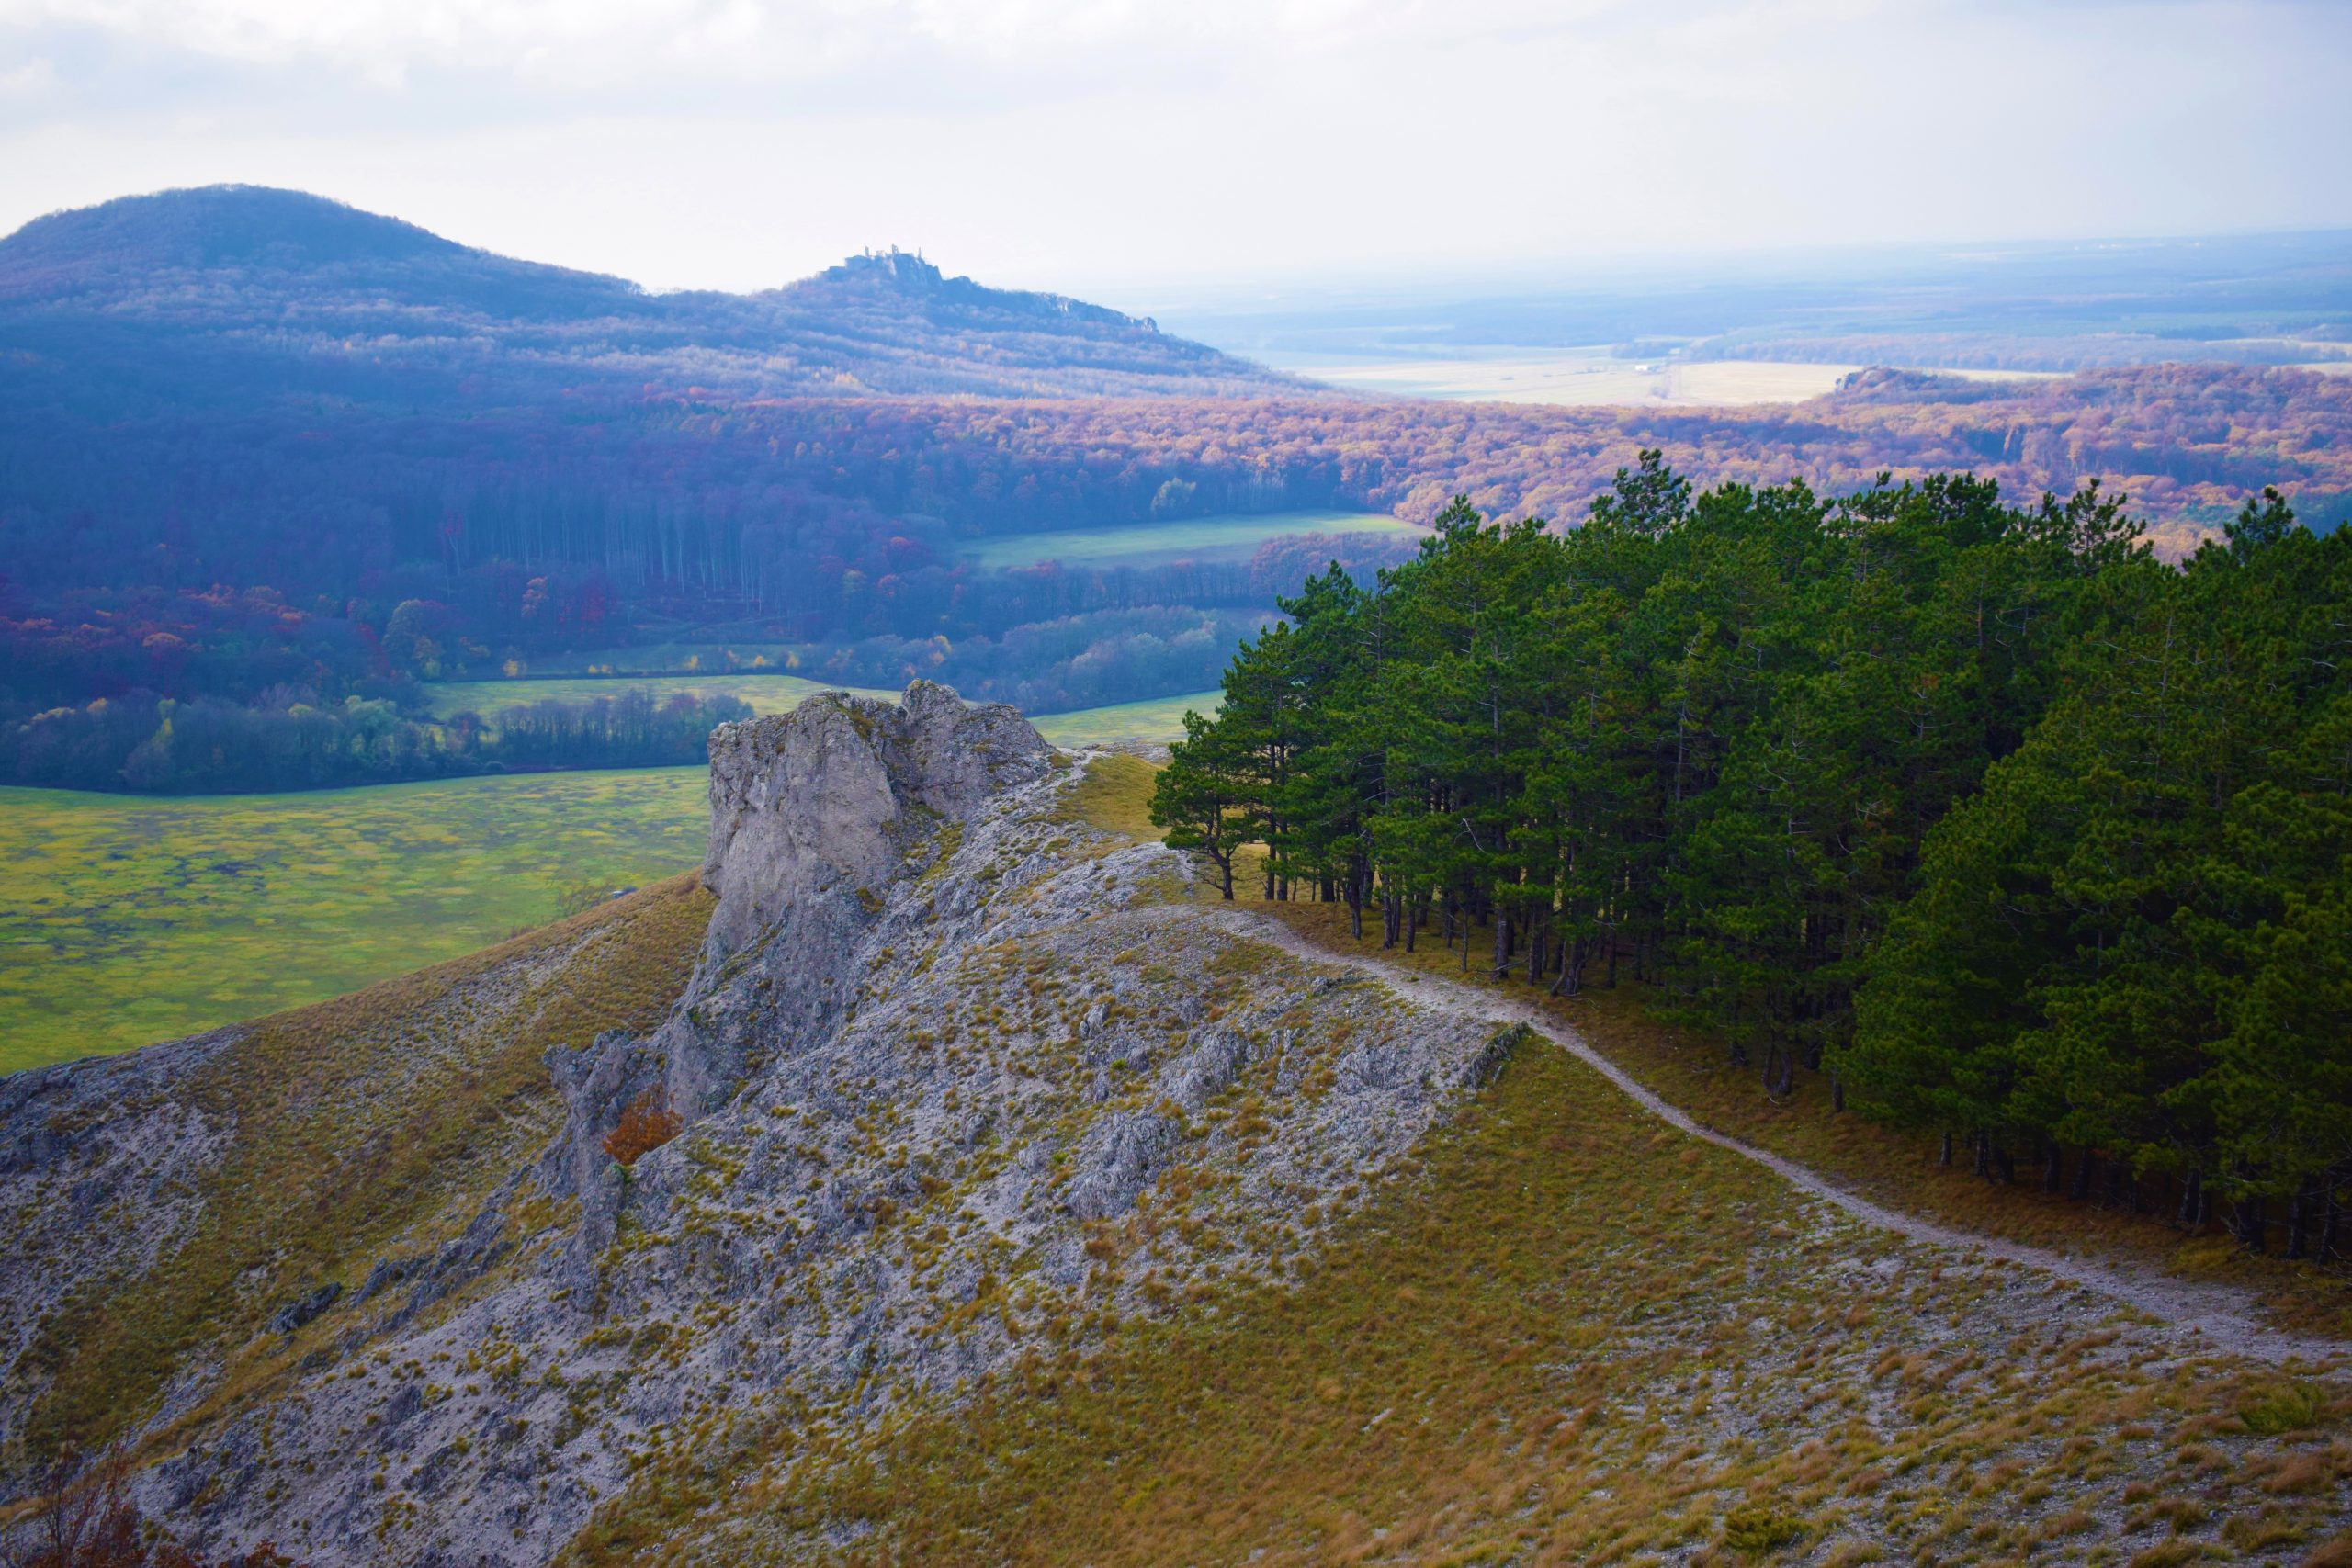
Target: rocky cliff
(954, 1074)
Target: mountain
(253, 291)
(950, 1177)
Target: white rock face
(957, 1072)
(822, 802)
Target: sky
(1133, 150)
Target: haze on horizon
(1133, 151)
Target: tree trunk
(2192, 1195)
(2085, 1172)
(2329, 1210)
(2053, 1166)
(2299, 1220)
(1943, 1156)
(2250, 1225)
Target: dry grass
(374, 1120)
(1114, 795)
(1559, 1337)
(1890, 1168)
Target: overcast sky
(1129, 150)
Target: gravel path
(2217, 1316)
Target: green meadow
(766, 693)
(126, 920)
(1153, 719)
(1192, 538)
(1156, 719)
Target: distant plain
(1593, 378)
(126, 920)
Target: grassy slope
(128, 919)
(1566, 1336)
(1893, 1169)
(367, 1126)
(1191, 539)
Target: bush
(646, 1124)
(2290, 1407)
(1755, 1528)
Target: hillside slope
(1031, 1206)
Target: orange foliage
(646, 1124)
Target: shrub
(87, 1520)
(2287, 1408)
(646, 1124)
(1755, 1528)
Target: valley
(615, 947)
(130, 920)
(1263, 1247)
(126, 921)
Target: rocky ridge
(953, 1079)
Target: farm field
(1153, 718)
(126, 920)
(766, 693)
(1192, 538)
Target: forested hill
(243, 294)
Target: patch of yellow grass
(1114, 795)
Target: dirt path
(2220, 1318)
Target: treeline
(569, 523)
(2020, 835)
(290, 741)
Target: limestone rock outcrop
(954, 1070)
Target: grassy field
(766, 693)
(1192, 539)
(1157, 719)
(128, 919)
(1152, 719)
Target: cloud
(1039, 142)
